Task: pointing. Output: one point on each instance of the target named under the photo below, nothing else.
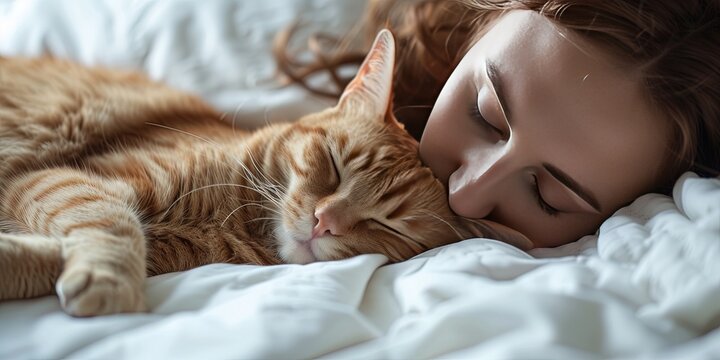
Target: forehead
(574, 105)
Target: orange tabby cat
(107, 178)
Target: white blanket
(647, 285)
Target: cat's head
(356, 184)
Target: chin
(291, 250)
(294, 253)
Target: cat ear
(371, 89)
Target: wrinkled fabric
(645, 286)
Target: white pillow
(219, 49)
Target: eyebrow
(494, 75)
(582, 192)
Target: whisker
(202, 188)
(242, 206)
(261, 205)
(260, 187)
(272, 188)
(235, 113)
(259, 219)
(437, 217)
(266, 118)
(183, 132)
(271, 180)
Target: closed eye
(546, 208)
(480, 119)
(390, 228)
(412, 243)
(334, 164)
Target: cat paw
(90, 292)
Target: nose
(481, 182)
(330, 220)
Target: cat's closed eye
(389, 228)
(338, 177)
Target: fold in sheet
(645, 285)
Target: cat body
(108, 177)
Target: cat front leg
(29, 265)
(100, 235)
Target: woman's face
(537, 130)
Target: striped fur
(107, 177)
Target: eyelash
(477, 115)
(546, 208)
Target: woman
(548, 116)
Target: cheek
(293, 211)
(297, 207)
(371, 242)
(449, 130)
(435, 150)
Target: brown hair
(674, 45)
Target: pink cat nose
(327, 222)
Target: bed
(646, 285)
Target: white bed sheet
(646, 286)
